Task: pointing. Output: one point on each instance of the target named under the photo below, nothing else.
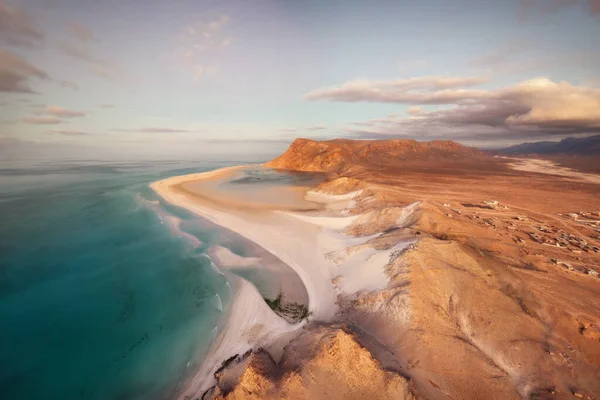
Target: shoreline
(248, 309)
(329, 262)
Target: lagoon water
(105, 292)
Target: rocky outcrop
(344, 156)
(322, 363)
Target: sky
(111, 74)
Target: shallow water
(105, 291)
(260, 187)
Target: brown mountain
(343, 155)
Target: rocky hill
(343, 155)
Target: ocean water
(105, 292)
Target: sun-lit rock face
(341, 155)
(324, 363)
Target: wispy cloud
(16, 73)
(68, 85)
(42, 120)
(68, 132)
(79, 51)
(63, 112)
(153, 130)
(107, 106)
(529, 7)
(17, 28)
(412, 65)
(518, 56)
(499, 58)
(313, 128)
(78, 47)
(422, 90)
(201, 43)
(80, 32)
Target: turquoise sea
(105, 292)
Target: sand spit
(305, 241)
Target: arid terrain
(495, 296)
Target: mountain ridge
(573, 146)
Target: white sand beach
(304, 241)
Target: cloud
(412, 65)
(107, 106)
(80, 32)
(16, 73)
(414, 110)
(518, 56)
(502, 56)
(105, 70)
(527, 7)
(201, 70)
(308, 128)
(154, 130)
(422, 90)
(201, 44)
(17, 28)
(68, 133)
(63, 112)
(78, 47)
(78, 51)
(42, 120)
(68, 85)
(534, 108)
